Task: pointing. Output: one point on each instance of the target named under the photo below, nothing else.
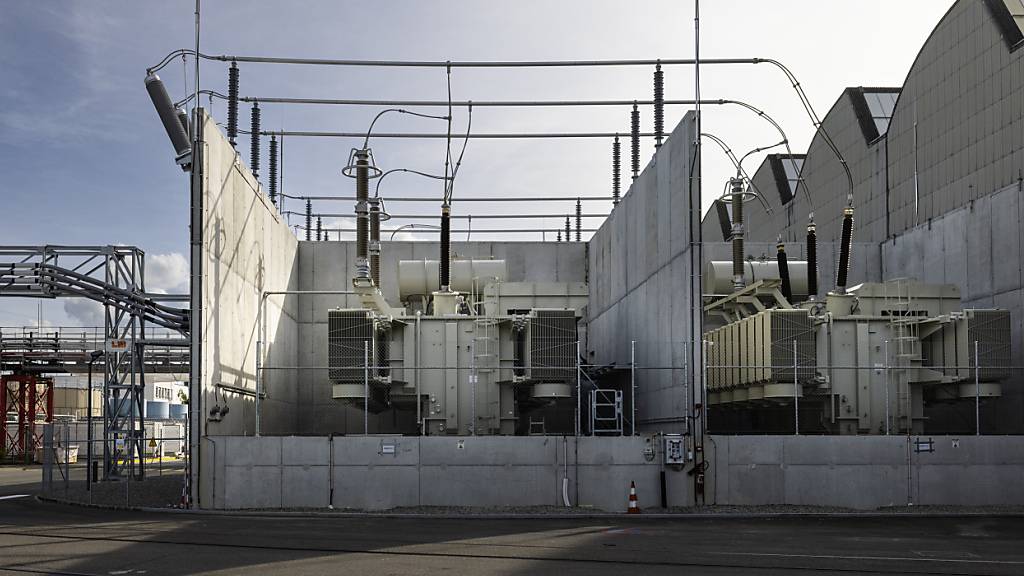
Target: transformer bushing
(374, 246)
(737, 232)
(362, 213)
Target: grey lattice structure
(113, 276)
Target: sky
(84, 159)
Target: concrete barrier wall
(365, 473)
(639, 280)
(483, 471)
(247, 249)
(867, 472)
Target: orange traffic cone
(634, 507)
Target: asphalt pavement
(42, 537)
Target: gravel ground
(153, 492)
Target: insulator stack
(273, 170)
(362, 214)
(446, 249)
(616, 170)
(559, 235)
(812, 261)
(579, 220)
(375, 241)
(659, 106)
(309, 220)
(233, 103)
(842, 274)
(737, 233)
(787, 289)
(254, 140)
(319, 229)
(568, 235)
(168, 115)
(185, 124)
(635, 144)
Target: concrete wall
(331, 266)
(640, 265)
(304, 472)
(247, 249)
(852, 472)
(867, 472)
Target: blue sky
(83, 159)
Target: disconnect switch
(675, 450)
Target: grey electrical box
(675, 450)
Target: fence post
(977, 392)
(796, 392)
(366, 387)
(885, 370)
(579, 405)
(632, 387)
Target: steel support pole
(885, 369)
(632, 387)
(796, 393)
(579, 405)
(259, 348)
(977, 392)
(366, 387)
(88, 432)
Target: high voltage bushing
(559, 235)
(568, 236)
(374, 248)
(168, 117)
(737, 232)
(446, 251)
(812, 261)
(616, 169)
(309, 219)
(844, 250)
(362, 215)
(254, 140)
(659, 106)
(233, 103)
(787, 289)
(273, 170)
(319, 230)
(579, 220)
(635, 141)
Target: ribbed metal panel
(788, 326)
(553, 345)
(347, 332)
(991, 330)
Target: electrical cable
(739, 169)
(376, 192)
(366, 142)
(458, 163)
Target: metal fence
(72, 465)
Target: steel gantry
(113, 276)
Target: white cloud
(86, 312)
(167, 273)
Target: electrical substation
(842, 328)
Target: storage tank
(157, 409)
(718, 276)
(422, 277)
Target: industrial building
(824, 335)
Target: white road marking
(882, 558)
(13, 496)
